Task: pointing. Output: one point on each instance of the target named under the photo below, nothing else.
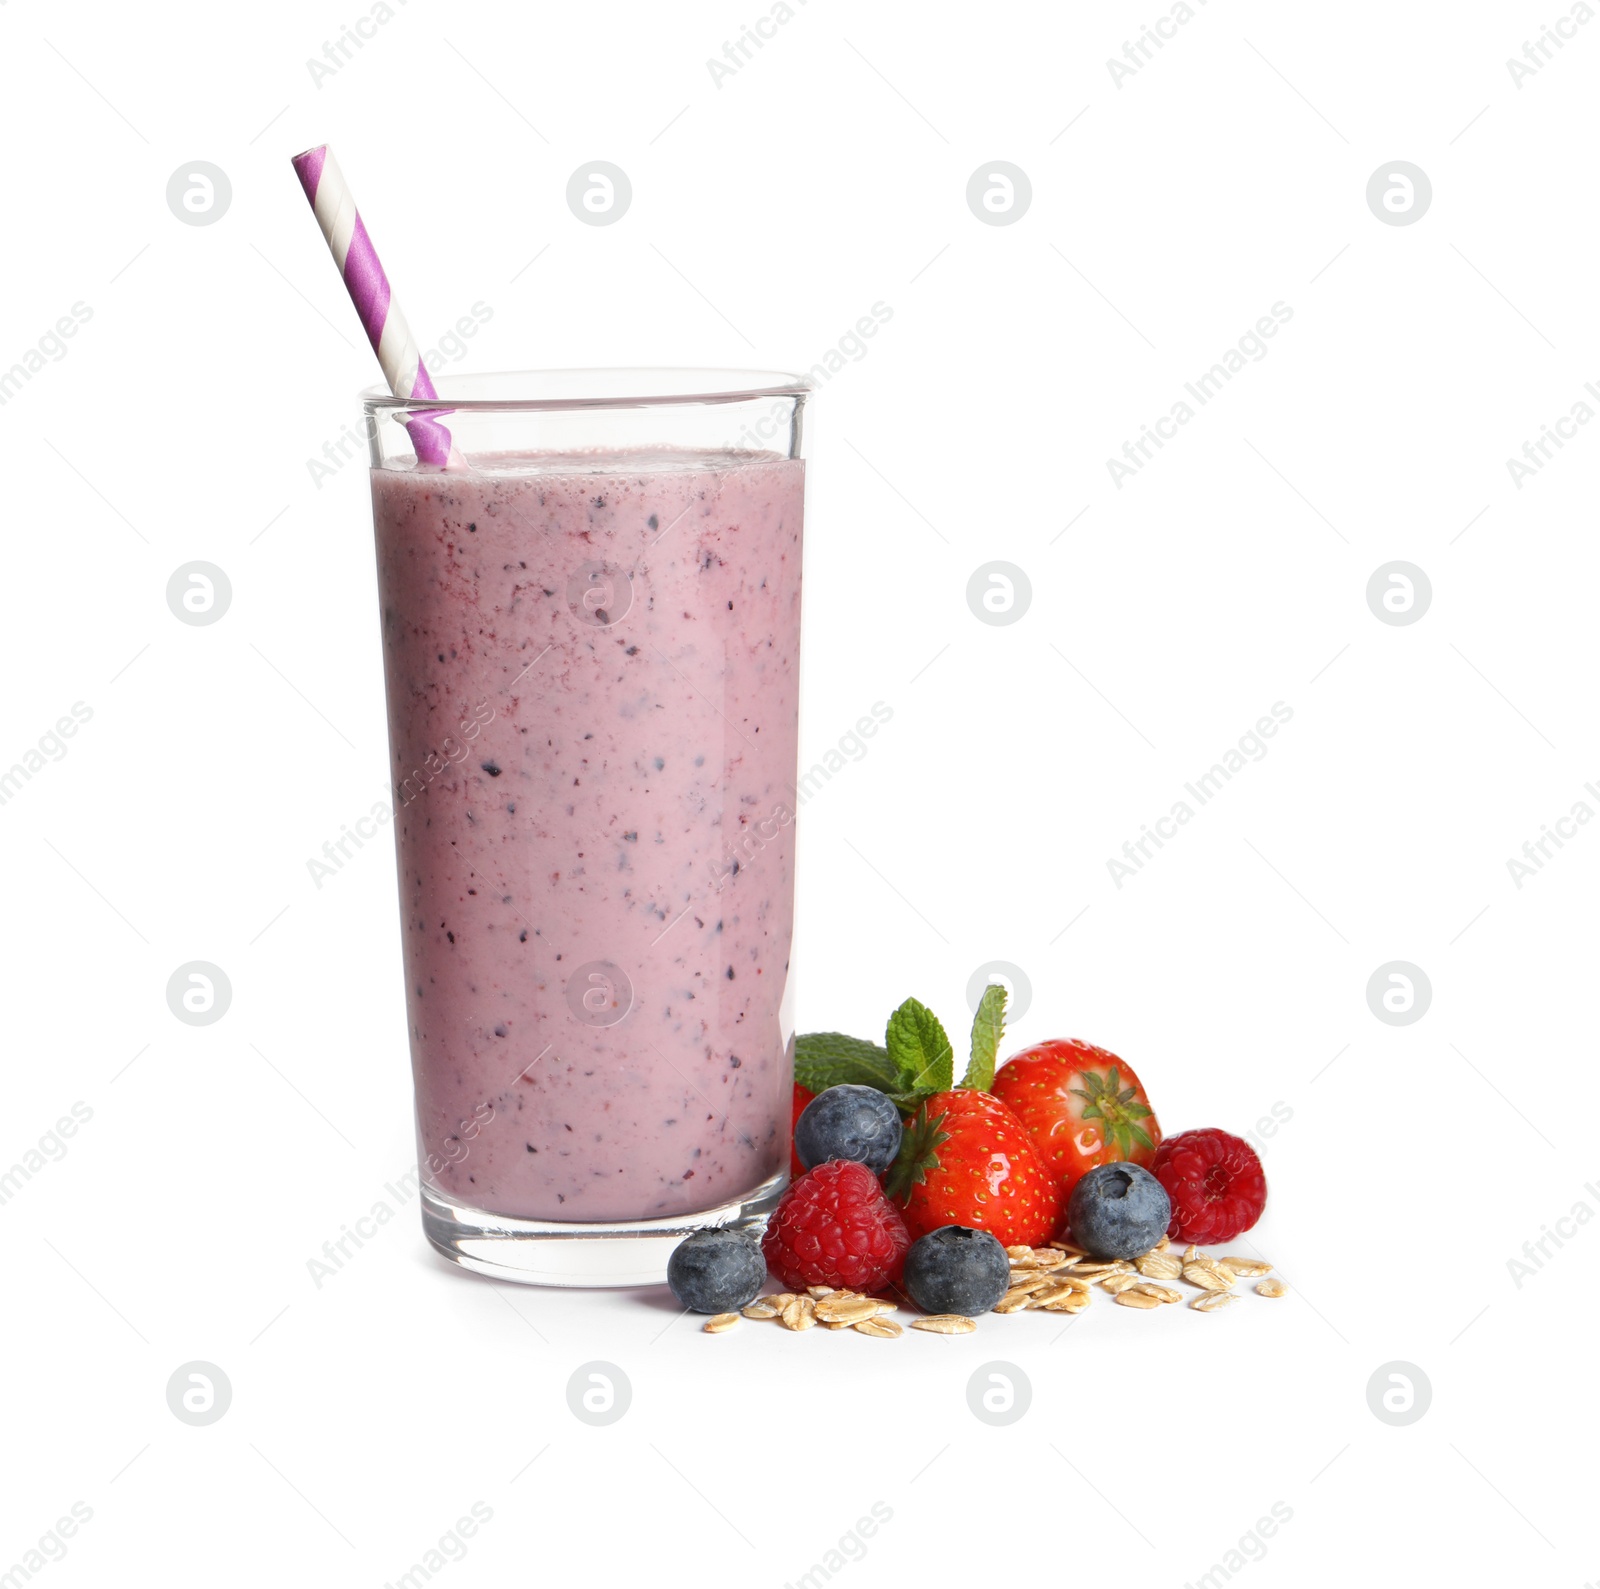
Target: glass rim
(643, 386)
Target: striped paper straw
(363, 275)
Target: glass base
(545, 1253)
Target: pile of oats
(1058, 1278)
(833, 1309)
(1212, 1277)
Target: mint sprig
(988, 1027)
(919, 1050)
(830, 1059)
(916, 1059)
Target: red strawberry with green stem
(967, 1160)
(1082, 1105)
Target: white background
(828, 173)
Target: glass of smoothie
(591, 655)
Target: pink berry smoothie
(591, 665)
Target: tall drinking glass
(591, 649)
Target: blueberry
(716, 1271)
(1118, 1211)
(957, 1270)
(849, 1122)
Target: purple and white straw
(368, 287)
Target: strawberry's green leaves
(988, 1027)
(919, 1050)
(919, 1153)
(829, 1059)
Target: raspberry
(1215, 1182)
(834, 1227)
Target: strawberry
(1082, 1106)
(802, 1096)
(967, 1160)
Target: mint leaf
(828, 1059)
(919, 1050)
(988, 1027)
